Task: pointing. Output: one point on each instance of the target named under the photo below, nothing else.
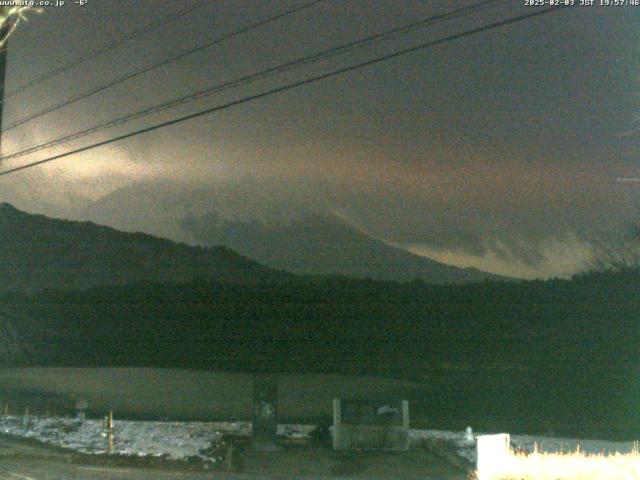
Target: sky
(507, 150)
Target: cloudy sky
(503, 150)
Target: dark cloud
(498, 145)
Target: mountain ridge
(324, 244)
(289, 231)
(39, 253)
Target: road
(52, 470)
(20, 460)
(25, 461)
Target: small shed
(370, 425)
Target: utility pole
(5, 29)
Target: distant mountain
(156, 208)
(159, 207)
(324, 244)
(37, 252)
(270, 224)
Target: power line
(271, 71)
(107, 48)
(159, 64)
(291, 86)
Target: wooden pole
(265, 412)
(110, 433)
(229, 456)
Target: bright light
(12, 17)
(566, 466)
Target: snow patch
(184, 440)
(526, 443)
